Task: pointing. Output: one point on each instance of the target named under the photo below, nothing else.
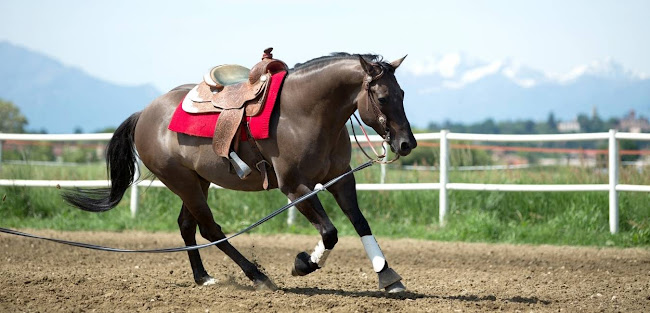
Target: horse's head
(382, 105)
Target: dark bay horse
(308, 144)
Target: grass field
(571, 218)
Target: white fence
(613, 187)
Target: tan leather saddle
(232, 90)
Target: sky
(168, 43)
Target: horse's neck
(328, 96)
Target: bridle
(381, 119)
(373, 103)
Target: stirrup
(241, 168)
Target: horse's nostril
(405, 146)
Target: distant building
(568, 127)
(633, 124)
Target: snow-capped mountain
(458, 88)
(452, 87)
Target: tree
(551, 122)
(11, 120)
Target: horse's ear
(395, 64)
(367, 67)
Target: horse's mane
(319, 62)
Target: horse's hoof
(265, 285)
(303, 265)
(395, 287)
(206, 281)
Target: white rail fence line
(613, 187)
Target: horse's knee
(211, 232)
(330, 237)
(186, 225)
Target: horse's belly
(218, 170)
(223, 176)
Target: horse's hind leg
(187, 225)
(190, 188)
(212, 232)
(345, 193)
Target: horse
(308, 144)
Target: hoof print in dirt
(206, 281)
(265, 285)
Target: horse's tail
(120, 165)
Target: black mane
(337, 56)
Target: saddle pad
(203, 124)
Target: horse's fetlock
(330, 238)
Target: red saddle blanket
(203, 124)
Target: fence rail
(444, 136)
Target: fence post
(382, 179)
(291, 217)
(444, 159)
(613, 181)
(134, 190)
(0, 154)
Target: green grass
(565, 218)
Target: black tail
(120, 165)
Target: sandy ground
(39, 276)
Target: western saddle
(233, 91)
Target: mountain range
(59, 98)
(458, 88)
(453, 87)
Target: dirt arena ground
(39, 276)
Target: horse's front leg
(345, 193)
(313, 210)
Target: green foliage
(461, 155)
(28, 152)
(78, 154)
(107, 130)
(573, 218)
(11, 120)
(629, 145)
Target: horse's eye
(383, 100)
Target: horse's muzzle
(404, 144)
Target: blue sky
(168, 43)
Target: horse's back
(155, 143)
(186, 87)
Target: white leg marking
(374, 253)
(320, 254)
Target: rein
(304, 197)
